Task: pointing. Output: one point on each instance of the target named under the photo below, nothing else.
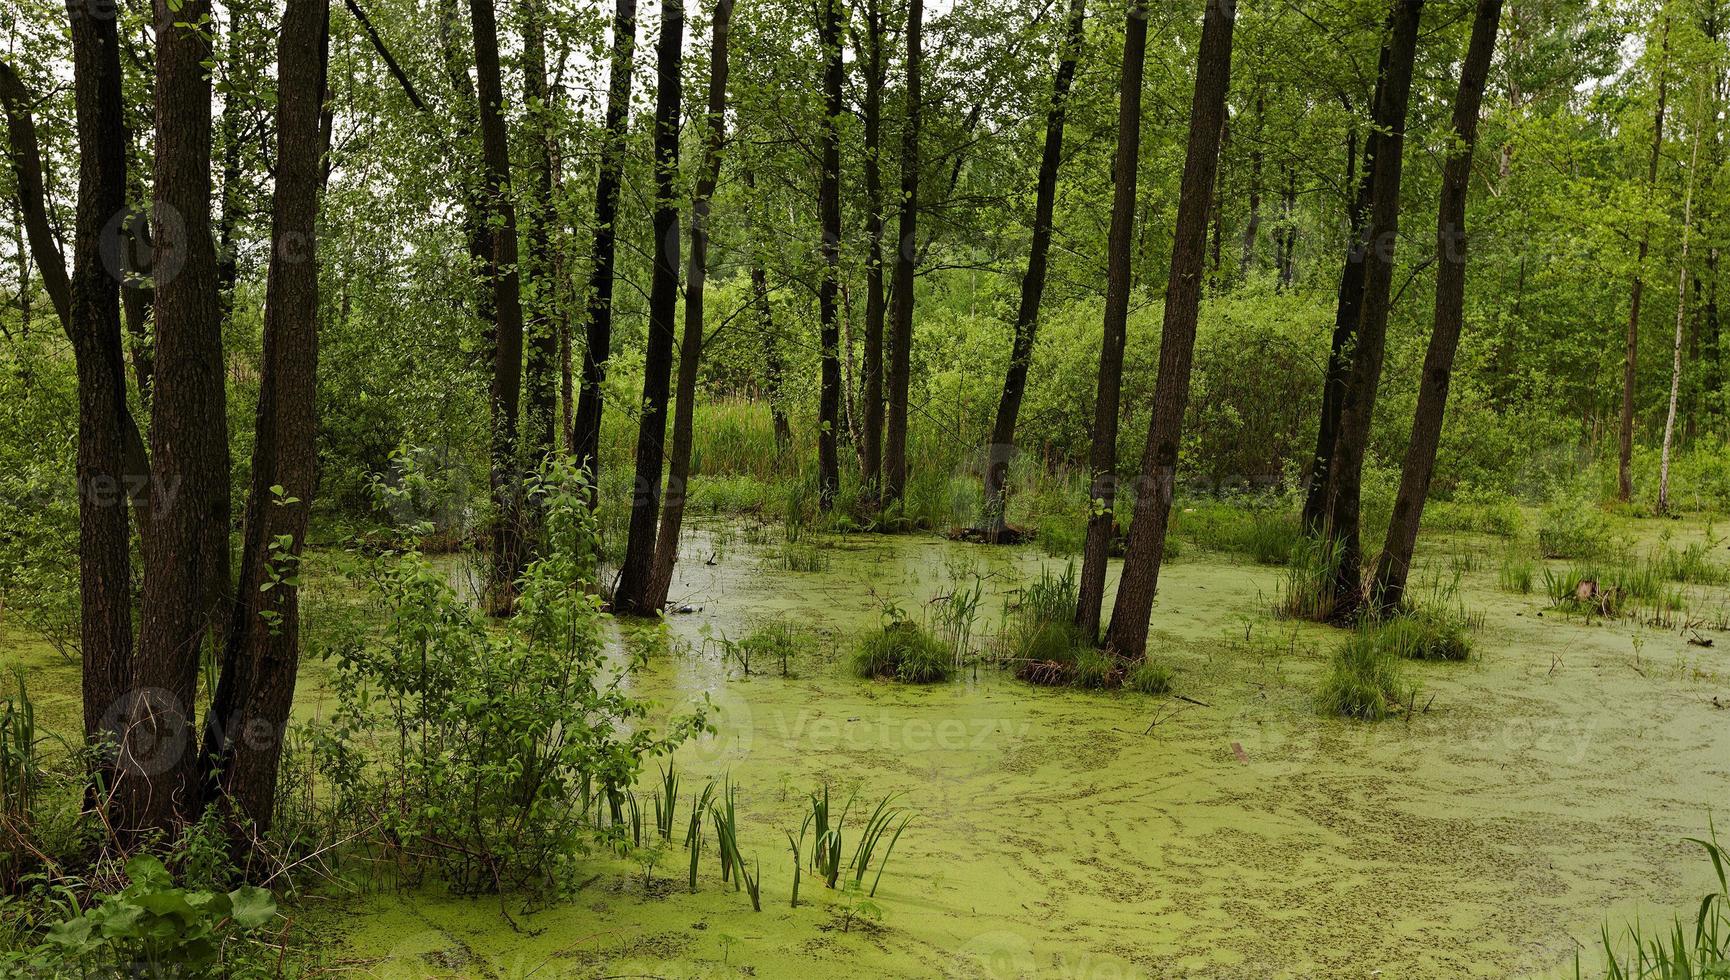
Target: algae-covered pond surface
(1534, 793)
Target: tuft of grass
(1515, 575)
(1306, 590)
(1265, 532)
(1365, 680)
(902, 650)
(1148, 677)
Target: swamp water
(1534, 793)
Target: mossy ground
(1536, 791)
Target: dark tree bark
(1002, 448)
(1102, 459)
(1631, 356)
(907, 243)
(1390, 582)
(92, 321)
(476, 234)
(26, 158)
(155, 789)
(248, 716)
(829, 218)
(503, 276)
(229, 138)
(540, 378)
(1257, 157)
(632, 595)
(1127, 636)
(871, 446)
(1349, 307)
(1358, 401)
(598, 331)
(1288, 230)
(774, 369)
(691, 345)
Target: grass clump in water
(1515, 575)
(1366, 680)
(1148, 677)
(903, 651)
(1306, 590)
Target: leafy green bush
(474, 749)
(1478, 511)
(151, 928)
(1264, 531)
(1365, 679)
(1572, 527)
(902, 650)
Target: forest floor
(1532, 794)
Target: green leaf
(253, 906)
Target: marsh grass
(1366, 679)
(1515, 573)
(1306, 589)
(1697, 950)
(904, 651)
(1266, 532)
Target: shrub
(1365, 680)
(1478, 511)
(1262, 531)
(151, 928)
(1573, 528)
(474, 748)
(903, 651)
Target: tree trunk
(829, 214)
(541, 336)
(773, 368)
(1349, 306)
(1252, 229)
(189, 472)
(1681, 310)
(1127, 636)
(248, 717)
(1358, 398)
(691, 346)
(1102, 461)
(1288, 231)
(1630, 359)
(871, 447)
(229, 136)
(901, 327)
(1389, 586)
(632, 595)
(476, 234)
(1002, 448)
(502, 274)
(105, 427)
(598, 332)
(26, 158)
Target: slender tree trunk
(1002, 448)
(691, 346)
(829, 214)
(92, 321)
(1388, 589)
(1357, 404)
(871, 449)
(1288, 231)
(229, 136)
(1349, 306)
(26, 159)
(476, 233)
(542, 309)
(632, 595)
(901, 327)
(503, 275)
(1630, 359)
(1127, 636)
(774, 370)
(598, 332)
(155, 790)
(1102, 461)
(1252, 229)
(1681, 316)
(244, 732)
